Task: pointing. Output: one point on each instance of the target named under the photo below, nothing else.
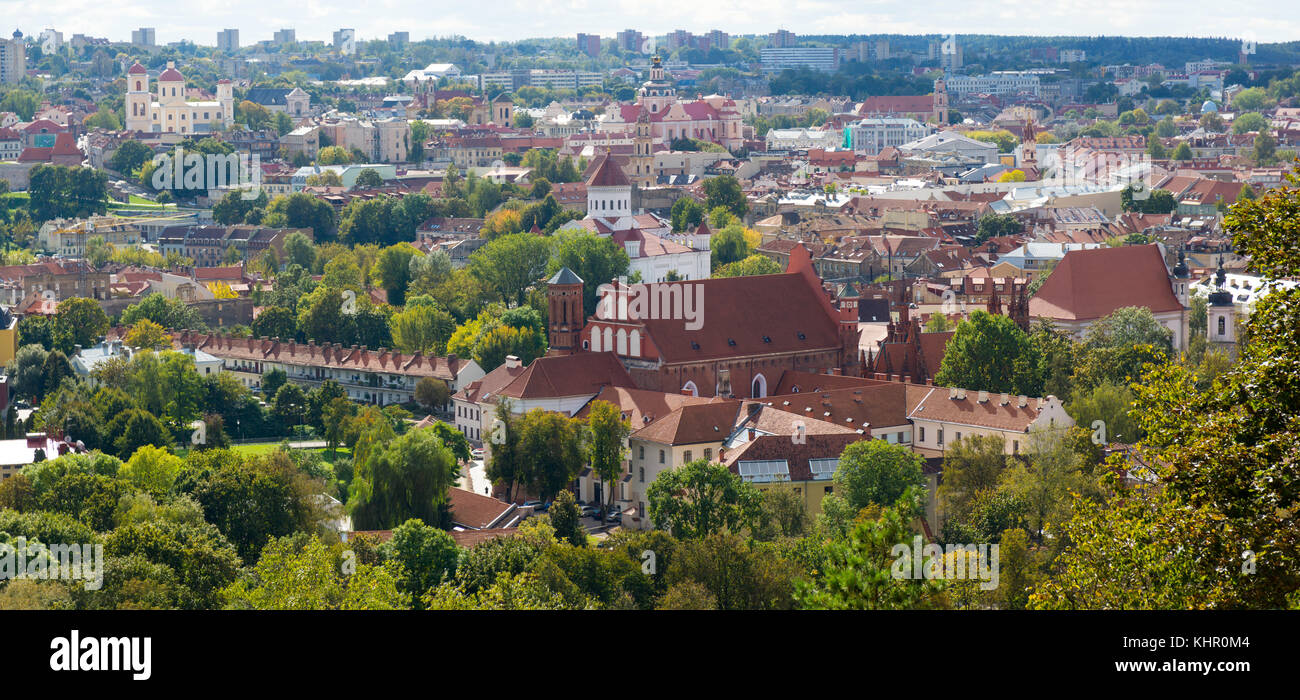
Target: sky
(489, 20)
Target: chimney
(952, 392)
(961, 394)
(512, 361)
(984, 397)
(1022, 401)
(453, 362)
(1006, 399)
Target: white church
(652, 247)
(171, 112)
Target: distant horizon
(315, 20)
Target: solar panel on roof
(764, 470)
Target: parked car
(535, 505)
(590, 511)
(476, 453)
(615, 515)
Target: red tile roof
(1090, 284)
(568, 375)
(606, 173)
(693, 424)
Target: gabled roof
(568, 375)
(796, 455)
(477, 512)
(643, 406)
(1090, 284)
(693, 424)
(938, 405)
(756, 315)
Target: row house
(207, 245)
(378, 377)
(55, 280)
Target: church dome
(1209, 107)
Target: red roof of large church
(171, 74)
(1089, 284)
(136, 69)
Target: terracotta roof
(1089, 284)
(641, 406)
(606, 173)
(568, 375)
(478, 512)
(136, 69)
(491, 383)
(880, 406)
(693, 424)
(171, 74)
(937, 405)
(796, 456)
(793, 382)
(791, 319)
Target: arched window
(595, 340)
(690, 386)
(621, 341)
(1223, 325)
(634, 343)
(758, 389)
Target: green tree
(988, 352)
(725, 191)
(701, 498)
(606, 443)
(860, 568)
(407, 478)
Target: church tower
(643, 160)
(1029, 151)
(656, 94)
(940, 102)
(1221, 315)
(138, 99)
(564, 317)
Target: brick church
(748, 330)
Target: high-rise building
(782, 39)
(589, 44)
(13, 58)
(228, 40)
(51, 42)
(719, 39)
(284, 36)
(144, 36)
(345, 41)
(399, 38)
(629, 40)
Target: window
(921, 437)
(642, 474)
(641, 452)
(686, 456)
(708, 453)
(661, 456)
(940, 436)
(1223, 326)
